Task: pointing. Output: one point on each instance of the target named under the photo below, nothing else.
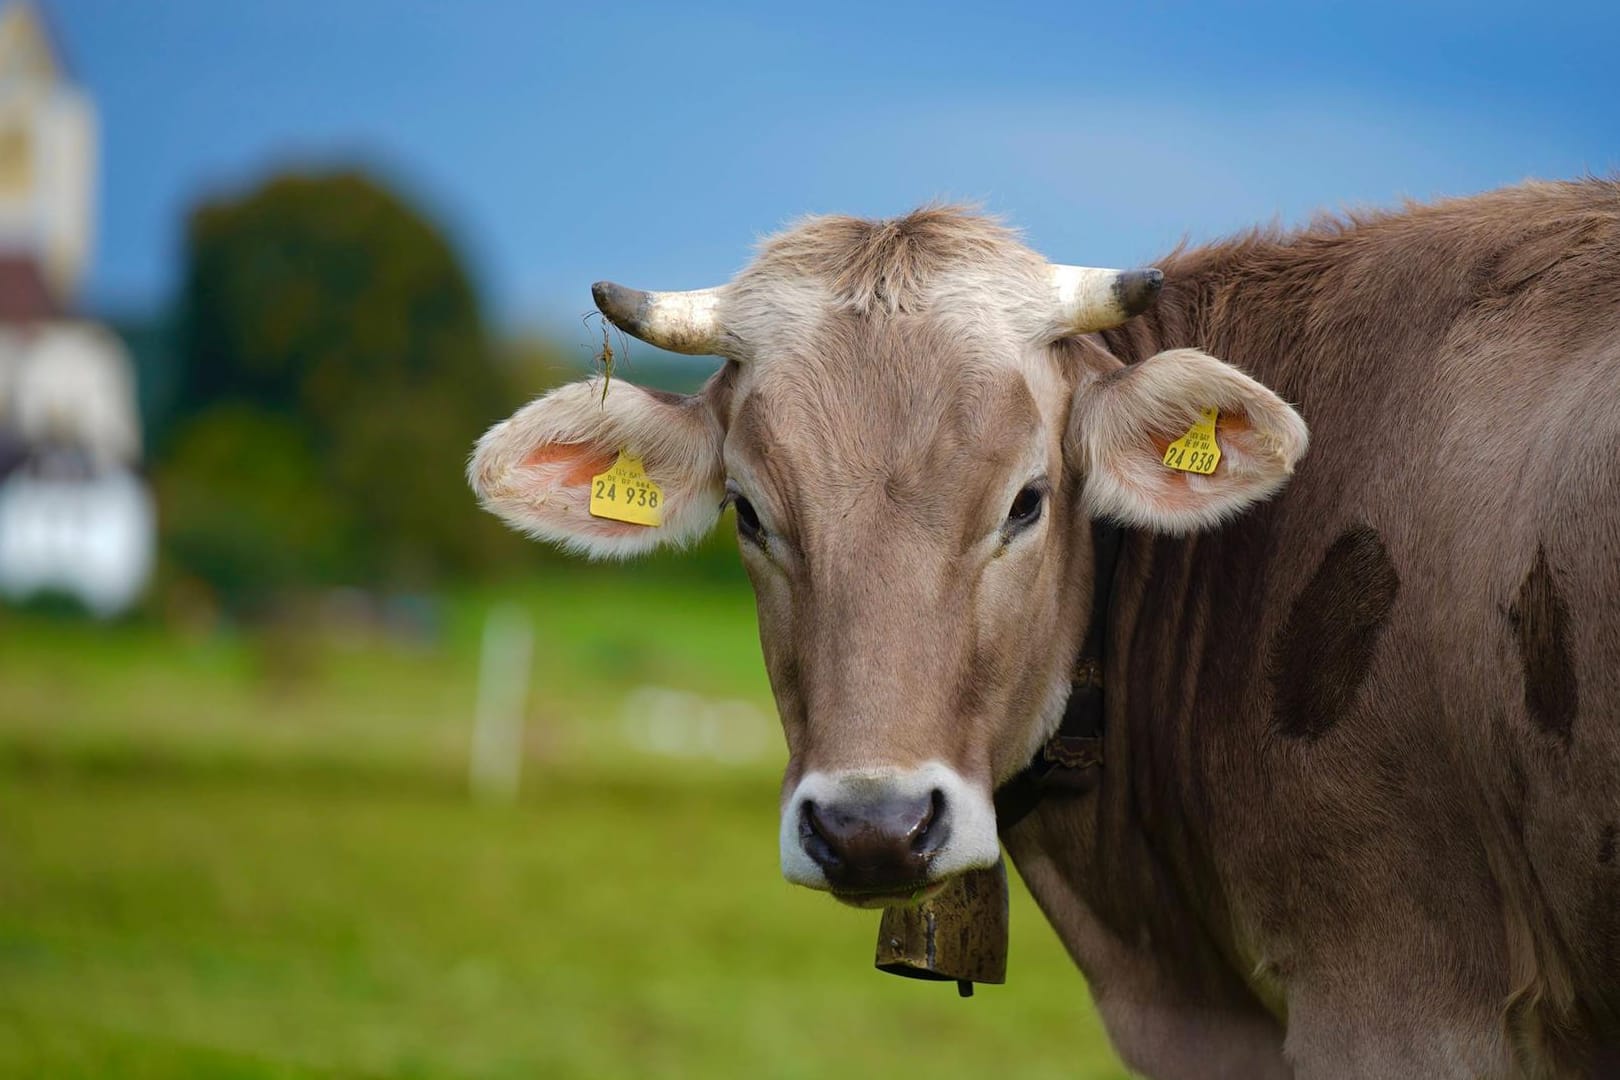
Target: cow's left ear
(1124, 424)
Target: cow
(1357, 812)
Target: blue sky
(562, 143)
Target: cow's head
(913, 427)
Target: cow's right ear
(537, 470)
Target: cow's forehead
(890, 406)
(892, 384)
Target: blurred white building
(75, 515)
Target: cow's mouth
(891, 896)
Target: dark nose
(876, 846)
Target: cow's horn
(683, 322)
(1090, 298)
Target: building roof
(24, 296)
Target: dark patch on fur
(1606, 844)
(1541, 626)
(1323, 652)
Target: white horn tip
(683, 322)
(1092, 298)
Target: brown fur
(1412, 890)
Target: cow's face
(913, 435)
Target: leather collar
(1070, 762)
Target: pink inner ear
(1232, 423)
(562, 472)
(1232, 432)
(1185, 493)
(1174, 491)
(576, 462)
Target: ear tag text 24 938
(1197, 451)
(626, 493)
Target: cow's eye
(747, 520)
(748, 526)
(1026, 506)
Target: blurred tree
(246, 507)
(327, 323)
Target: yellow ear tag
(626, 493)
(1197, 451)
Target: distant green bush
(245, 506)
(334, 371)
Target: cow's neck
(1126, 873)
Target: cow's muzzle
(876, 838)
(878, 847)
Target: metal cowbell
(959, 935)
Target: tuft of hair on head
(886, 265)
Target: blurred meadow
(309, 768)
(234, 855)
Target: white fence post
(494, 767)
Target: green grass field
(233, 857)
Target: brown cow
(1359, 808)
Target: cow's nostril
(926, 832)
(815, 837)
